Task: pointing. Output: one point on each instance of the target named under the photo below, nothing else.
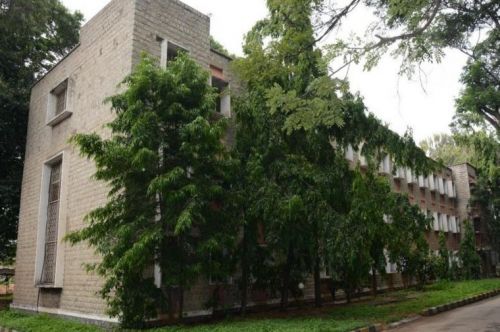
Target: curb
(4, 329)
(371, 328)
(402, 322)
(442, 308)
(452, 305)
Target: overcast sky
(425, 104)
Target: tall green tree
(289, 118)
(168, 172)
(470, 260)
(446, 148)
(405, 237)
(34, 34)
(443, 271)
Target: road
(482, 316)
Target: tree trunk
(181, 303)
(317, 282)
(170, 299)
(286, 278)
(244, 272)
(374, 281)
(317, 268)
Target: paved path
(482, 316)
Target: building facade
(58, 192)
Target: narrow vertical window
(50, 248)
(61, 101)
(59, 95)
(223, 102)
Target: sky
(424, 104)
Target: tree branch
(493, 119)
(432, 11)
(475, 58)
(336, 19)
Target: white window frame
(436, 222)
(42, 221)
(225, 99)
(385, 165)
(54, 119)
(164, 49)
(430, 180)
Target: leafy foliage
(471, 262)
(293, 124)
(444, 147)
(33, 36)
(167, 171)
(215, 45)
(443, 268)
(479, 102)
(421, 31)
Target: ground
(385, 308)
(482, 316)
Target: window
(223, 102)
(173, 51)
(168, 51)
(61, 100)
(445, 222)
(436, 223)
(57, 109)
(421, 181)
(386, 165)
(50, 246)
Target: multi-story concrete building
(443, 196)
(58, 192)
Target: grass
(384, 309)
(41, 323)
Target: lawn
(384, 309)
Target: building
(57, 192)
(444, 196)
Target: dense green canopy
(34, 34)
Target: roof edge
(230, 58)
(55, 65)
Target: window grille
(49, 262)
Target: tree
(405, 237)
(443, 271)
(444, 147)
(165, 152)
(290, 117)
(215, 45)
(479, 102)
(33, 36)
(418, 32)
(471, 262)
